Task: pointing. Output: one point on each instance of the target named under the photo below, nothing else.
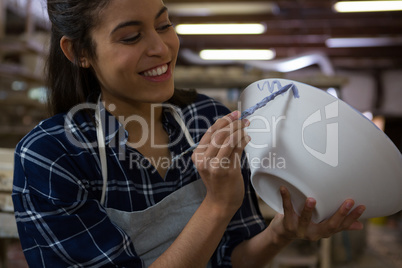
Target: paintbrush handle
(250, 111)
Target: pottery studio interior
(347, 53)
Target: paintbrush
(250, 111)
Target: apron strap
(102, 147)
(180, 121)
(102, 150)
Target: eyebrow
(136, 22)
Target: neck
(137, 118)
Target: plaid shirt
(58, 187)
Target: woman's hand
(291, 226)
(283, 229)
(218, 161)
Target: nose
(157, 45)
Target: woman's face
(136, 49)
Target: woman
(95, 184)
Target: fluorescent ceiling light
(237, 54)
(364, 42)
(368, 6)
(207, 29)
(213, 8)
(280, 65)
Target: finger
(351, 221)
(286, 201)
(289, 218)
(224, 141)
(239, 149)
(235, 142)
(236, 156)
(356, 226)
(220, 137)
(335, 223)
(306, 215)
(218, 125)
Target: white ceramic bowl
(318, 146)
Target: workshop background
(356, 56)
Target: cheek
(110, 71)
(174, 43)
(118, 63)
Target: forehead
(118, 11)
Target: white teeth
(157, 71)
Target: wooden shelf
(16, 45)
(8, 226)
(18, 72)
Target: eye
(164, 27)
(131, 39)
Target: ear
(66, 46)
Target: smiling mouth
(160, 70)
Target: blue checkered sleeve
(60, 221)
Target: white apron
(154, 229)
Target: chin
(163, 96)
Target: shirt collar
(112, 128)
(115, 133)
(168, 120)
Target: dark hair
(68, 83)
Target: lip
(159, 78)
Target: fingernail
(282, 190)
(361, 210)
(349, 205)
(310, 203)
(246, 122)
(234, 114)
